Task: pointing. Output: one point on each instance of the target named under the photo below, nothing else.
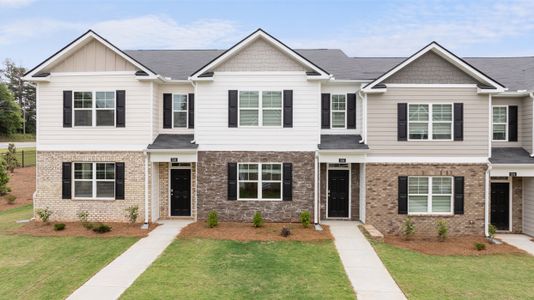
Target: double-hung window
(430, 121)
(430, 195)
(105, 108)
(94, 180)
(260, 108)
(100, 112)
(260, 181)
(500, 123)
(83, 108)
(179, 110)
(338, 111)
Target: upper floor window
(429, 195)
(338, 111)
(257, 108)
(100, 112)
(179, 111)
(94, 180)
(260, 181)
(500, 123)
(430, 121)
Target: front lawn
(421, 276)
(193, 268)
(49, 267)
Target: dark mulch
(76, 229)
(22, 184)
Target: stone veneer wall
(355, 191)
(164, 191)
(382, 194)
(517, 204)
(48, 186)
(212, 186)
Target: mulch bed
(22, 184)
(464, 245)
(76, 229)
(246, 232)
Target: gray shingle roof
(173, 141)
(341, 142)
(510, 156)
(516, 73)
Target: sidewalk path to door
(521, 241)
(110, 282)
(369, 278)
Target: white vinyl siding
(259, 181)
(528, 205)
(94, 180)
(430, 122)
(93, 108)
(344, 89)
(430, 195)
(183, 89)
(500, 123)
(260, 108)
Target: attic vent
(485, 87)
(379, 86)
(44, 74)
(313, 73)
(141, 73)
(206, 74)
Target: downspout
(364, 116)
(487, 201)
(490, 124)
(145, 225)
(316, 192)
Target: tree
(4, 179)
(10, 114)
(10, 158)
(23, 92)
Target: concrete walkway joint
(520, 241)
(368, 276)
(115, 278)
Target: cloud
(15, 3)
(22, 30)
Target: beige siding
(173, 89)
(525, 115)
(520, 128)
(528, 205)
(382, 123)
(93, 57)
(260, 56)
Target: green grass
(423, 276)
(49, 267)
(18, 137)
(214, 269)
(29, 156)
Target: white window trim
(260, 181)
(93, 109)
(259, 109)
(93, 180)
(186, 110)
(430, 122)
(505, 124)
(429, 199)
(332, 111)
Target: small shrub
(83, 216)
(11, 158)
(4, 178)
(10, 199)
(285, 232)
(407, 228)
(492, 230)
(213, 219)
(257, 220)
(132, 213)
(305, 218)
(59, 226)
(102, 228)
(44, 214)
(480, 246)
(443, 230)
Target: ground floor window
(260, 181)
(94, 180)
(429, 195)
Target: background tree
(10, 157)
(23, 92)
(10, 113)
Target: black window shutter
(403, 195)
(288, 108)
(66, 181)
(325, 111)
(458, 121)
(512, 123)
(232, 108)
(119, 181)
(402, 121)
(288, 181)
(67, 108)
(351, 111)
(458, 195)
(191, 110)
(121, 108)
(167, 110)
(232, 181)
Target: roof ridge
(174, 50)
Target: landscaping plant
(305, 218)
(213, 219)
(83, 216)
(11, 158)
(59, 226)
(407, 228)
(257, 220)
(10, 199)
(102, 228)
(285, 232)
(4, 178)
(132, 213)
(480, 246)
(44, 214)
(492, 230)
(443, 230)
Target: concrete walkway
(368, 276)
(520, 241)
(115, 278)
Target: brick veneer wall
(355, 191)
(164, 191)
(381, 197)
(212, 186)
(517, 204)
(48, 186)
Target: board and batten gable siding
(134, 136)
(528, 205)
(211, 125)
(171, 89)
(520, 122)
(344, 90)
(93, 57)
(382, 123)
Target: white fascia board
(36, 79)
(86, 148)
(522, 170)
(428, 159)
(244, 148)
(171, 150)
(338, 157)
(374, 91)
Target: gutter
(364, 116)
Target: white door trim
(510, 199)
(349, 169)
(190, 188)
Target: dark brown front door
(338, 193)
(180, 192)
(500, 205)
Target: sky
(32, 30)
